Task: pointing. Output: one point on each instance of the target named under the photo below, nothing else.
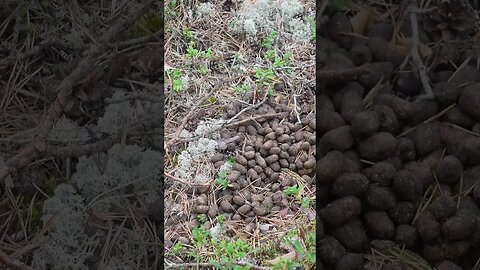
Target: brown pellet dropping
(274, 150)
(240, 168)
(260, 160)
(341, 210)
(217, 157)
(305, 146)
(271, 159)
(241, 160)
(260, 210)
(251, 130)
(249, 155)
(244, 209)
(279, 131)
(310, 163)
(275, 167)
(268, 145)
(238, 200)
(283, 138)
(270, 136)
(226, 206)
(213, 211)
(201, 209)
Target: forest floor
(240, 134)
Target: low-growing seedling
(203, 70)
(193, 52)
(170, 9)
(187, 34)
(199, 235)
(264, 75)
(175, 75)
(306, 202)
(268, 42)
(281, 62)
(270, 54)
(228, 253)
(221, 219)
(293, 190)
(313, 29)
(222, 180)
(243, 88)
(286, 264)
(202, 218)
(177, 248)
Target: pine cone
(451, 19)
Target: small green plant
(281, 62)
(293, 190)
(177, 248)
(228, 253)
(170, 9)
(224, 183)
(243, 88)
(222, 180)
(268, 42)
(286, 264)
(221, 219)
(264, 75)
(313, 29)
(203, 70)
(187, 34)
(176, 75)
(193, 52)
(270, 54)
(222, 254)
(199, 235)
(306, 202)
(202, 218)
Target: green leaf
(299, 248)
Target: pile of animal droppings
(398, 180)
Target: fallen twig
(135, 95)
(13, 263)
(189, 115)
(295, 109)
(247, 109)
(34, 149)
(340, 75)
(422, 71)
(100, 145)
(185, 182)
(434, 117)
(271, 115)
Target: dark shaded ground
(398, 118)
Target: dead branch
(102, 144)
(191, 113)
(422, 71)
(135, 95)
(34, 149)
(185, 182)
(341, 75)
(271, 115)
(13, 263)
